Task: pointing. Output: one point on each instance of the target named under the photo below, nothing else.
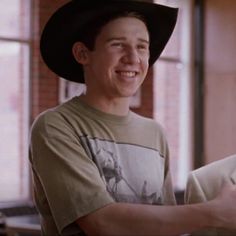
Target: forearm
(135, 219)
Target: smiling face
(118, 65)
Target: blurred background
(191, 90)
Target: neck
(119, 106)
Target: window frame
(185, 61)
(28, 201)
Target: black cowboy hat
(60, 32)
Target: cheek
(145, 65)
(145, 59)
(107, 60)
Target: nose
(131, 56)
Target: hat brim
(60, 32)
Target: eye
(142, 47)
(117, 44)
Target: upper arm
(90, 222)
(70, 183)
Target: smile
(127, 73)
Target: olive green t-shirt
(83, 159)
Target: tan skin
(113, 73)
(116, 69)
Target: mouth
(128, 74)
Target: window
(172, 92)
(14, 99)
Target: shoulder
(45, 118)
(147, 123)
(52, 121)
(152, 133)
(56, 115)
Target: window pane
(14, 18)
(167, 107)
(172, 92)
(14, 121)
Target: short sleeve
(70, 180)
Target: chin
(128, 94)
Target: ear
(80, 53)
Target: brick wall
(44, 83)
(146, 108)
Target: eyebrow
(123, 38)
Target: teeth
(128, 73)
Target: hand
(224, 206)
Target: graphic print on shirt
(131, 173)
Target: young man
(100, 169)
(205, 183)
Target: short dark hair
(89, 34)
